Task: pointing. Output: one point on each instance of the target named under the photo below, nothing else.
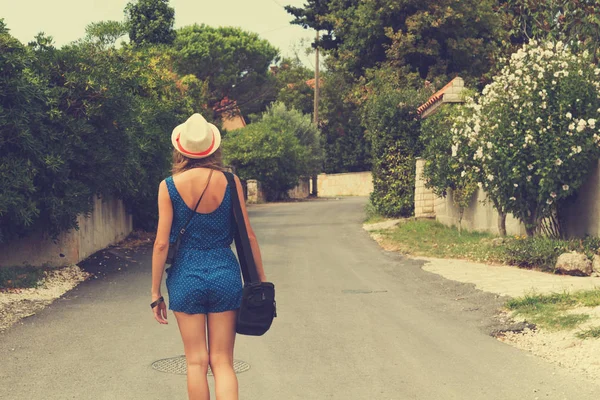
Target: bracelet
(157, 302)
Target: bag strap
(242, 241)
(182, 231)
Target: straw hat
(196, 138)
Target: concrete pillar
(424, 197)
(255, 192)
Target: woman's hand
(160, 311)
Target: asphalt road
(355, 323)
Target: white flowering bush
(534, 132)
(448, 164)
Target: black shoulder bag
(258, 300)
(174, 247)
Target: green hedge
(82, 121)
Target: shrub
(393, 127)
(534, 131)
(447, 156)
(277, 150)
(543, 252)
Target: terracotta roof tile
(436, 97)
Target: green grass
(430, 238)
(433, 239)
(20, 277)
(551, 311)
(592, 333)
(372, 216)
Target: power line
(278, 3)
(276, 29)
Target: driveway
(355, 323)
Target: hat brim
(216, 133)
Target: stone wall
(479, 216)
(349, 184)
(107, 224)
(580, 218)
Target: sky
(65, 20)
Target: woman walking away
(203, 282)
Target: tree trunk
(531, 225)
(502, 223)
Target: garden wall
(107, 224)
(301, 191)
(581, 218)
(348, 184)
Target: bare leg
(221, 338)
(193, 332)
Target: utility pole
(316, 110)
(316, 105)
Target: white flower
(553, 195)
(513, 198)
(529, 178)
(538, 120)
(571, 126)
(558, 161)
(454, 150)
(530, 167)
(463, 173)
(516, 185)
(565, 187)
(549, 201)
(569, 115)
(479, 153)
(592, 123)
(490, 178)
(490, 145)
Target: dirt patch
(16, 304)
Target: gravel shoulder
(16, 304)
(562, 348)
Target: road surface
(355, 323)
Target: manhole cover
(177, 365)
(361, 291)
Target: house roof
(438, 96)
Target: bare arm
(161, 244)
(251, 235)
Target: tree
(292, 85)
(150, 22)
(106, 33)
(233, 62)
(432, 37)
(574, 22)
(276, 150)
(346, 146)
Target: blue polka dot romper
(205, 275)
